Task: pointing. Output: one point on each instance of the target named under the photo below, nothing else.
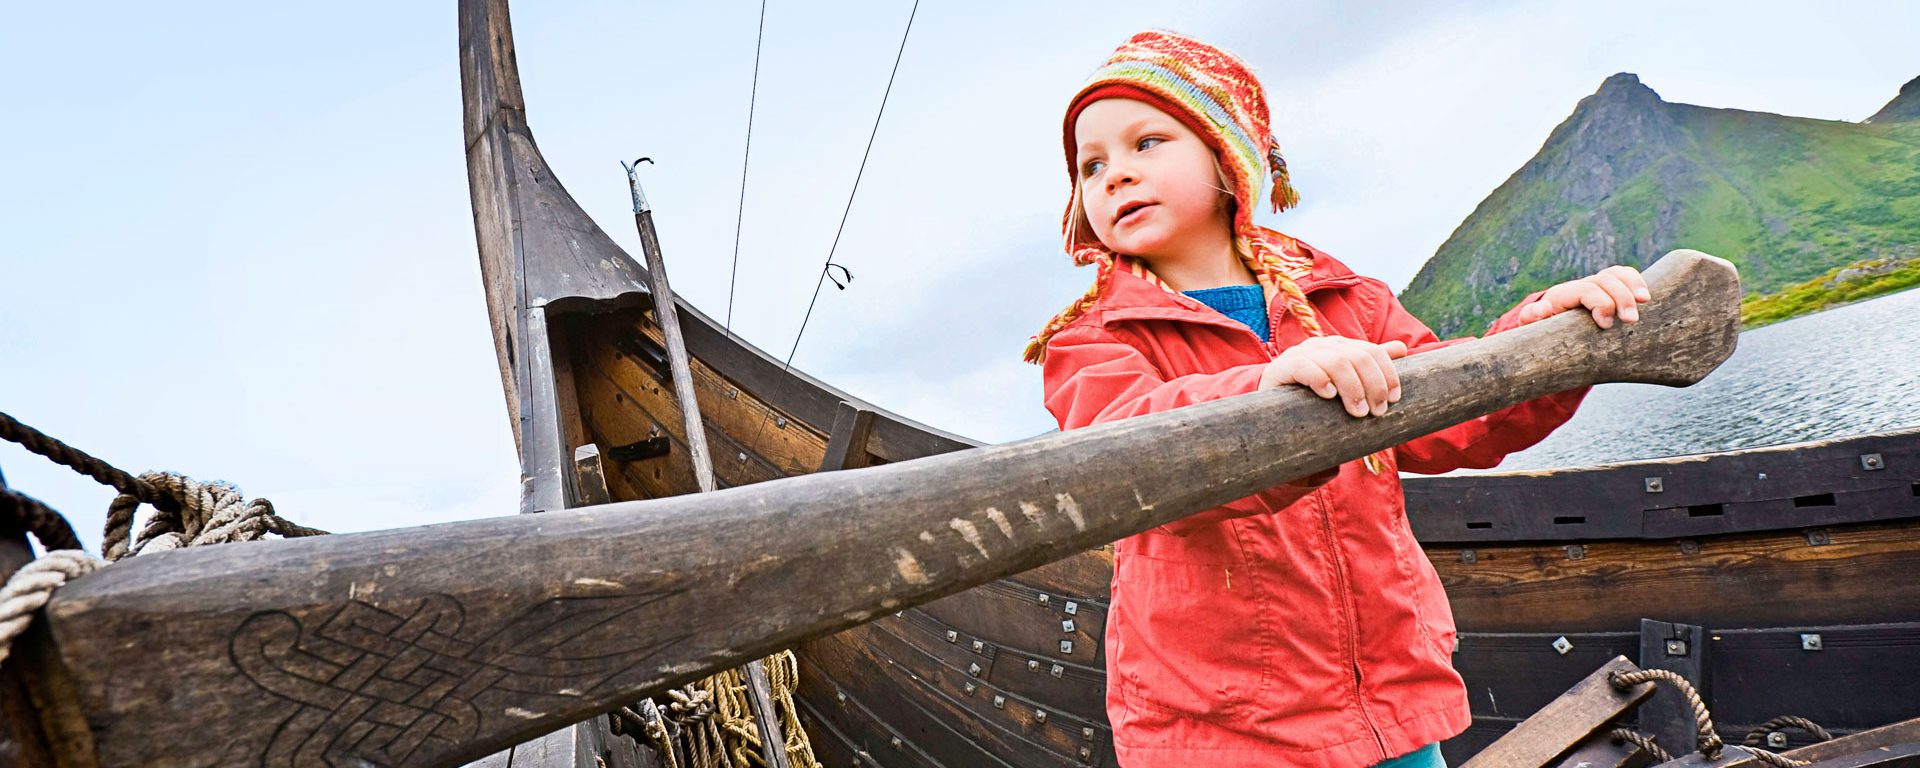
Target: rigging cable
(739, 213)
(829, 265)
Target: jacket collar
(1128, 296)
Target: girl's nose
(1119, 175)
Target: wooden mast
(773, 744)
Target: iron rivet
(1086, 755)
(1044, 599)
(1563, 645)
(1872, 461)
(999, 702)
(973, 669)
(1818, 538)
(952, 636)
(1066, 646)
(1033, 665)
(1070, 608)
(1654, 485)
(1761, 476)
(970, 688)
(895, 742)
(979, 646)
(1810, 641)
(1059, 671)
(1469, 556)
(743, 456)
(1576, 551)
(780, 422)
(1456, 643)
(839, 695)
(1776, 739)
(732, 393)
(1676, 647)
(1067, 626)
(1086, 733)
(1689, 547)
(1040, 715)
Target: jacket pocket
(1193, 639)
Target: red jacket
(1298, 626)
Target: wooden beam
(1885, 737)
(1584, 710)
(478, 634)
(1682, 649)
(847, 443)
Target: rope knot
(209, 513)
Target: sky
(239, 244)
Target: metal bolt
(1067, 626)
(743, 456)
(1576, 551)
(1066, 646)
(780, 422)
(1044, 599)
(1776, 739)
(1059, 670)
(732, 393)
(1563, 645)
(1676, 647)
(1761, 476)
(1818, 538)
(952, 636)
(979, 646)
(973, 669)
(1689, 547)
(1086, 733)
(1071, 608)
(1086, 755)
(839, 695)
(1872, 461)
(970, 688)
(1810, 641)
(1033, 665)
(1469, 556)
(1040, 715)
(1654, 485)
(999, 702)
(895, 742)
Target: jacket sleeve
(1482, 442)
(1092, 377)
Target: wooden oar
(432, 645)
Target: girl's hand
(1359, 372)
(1616, 290)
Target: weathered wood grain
(1584, 710)
(1864, 743)
(477, 634)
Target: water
(1846, 371)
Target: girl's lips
(1132, 216)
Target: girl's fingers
(1621, 295)
(1389, 378)
(1309, 375)
(1597, 299)
(1352, 392)
(1395, 350)
(1367, 364)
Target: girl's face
(1147, 182)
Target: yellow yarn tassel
(1284, 196)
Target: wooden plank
(1842, 677)
(572, 612)
(1680, 648)
(847, 443)
(1895, 734)
(22, 740)
(590, 476)
(1861, 574)
(1585, 710)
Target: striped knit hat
(1216, 95)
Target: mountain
(1628, 177)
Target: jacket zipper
(1353, 628)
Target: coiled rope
(1709, 743)
(187, 513)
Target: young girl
(1302, 625)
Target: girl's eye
(1143, 142)
(1092, 167)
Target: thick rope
(710, 722)
(1710, 745)
(1758, 735)
(79, 461)
(50, 527)
(28, 590)
(1642, 741)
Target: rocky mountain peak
(1904, 107)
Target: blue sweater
(1245, 303)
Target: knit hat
(1216, 95)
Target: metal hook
(843, 270)
(633, 184)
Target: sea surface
(1846, 371)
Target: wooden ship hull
(1777, 579)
